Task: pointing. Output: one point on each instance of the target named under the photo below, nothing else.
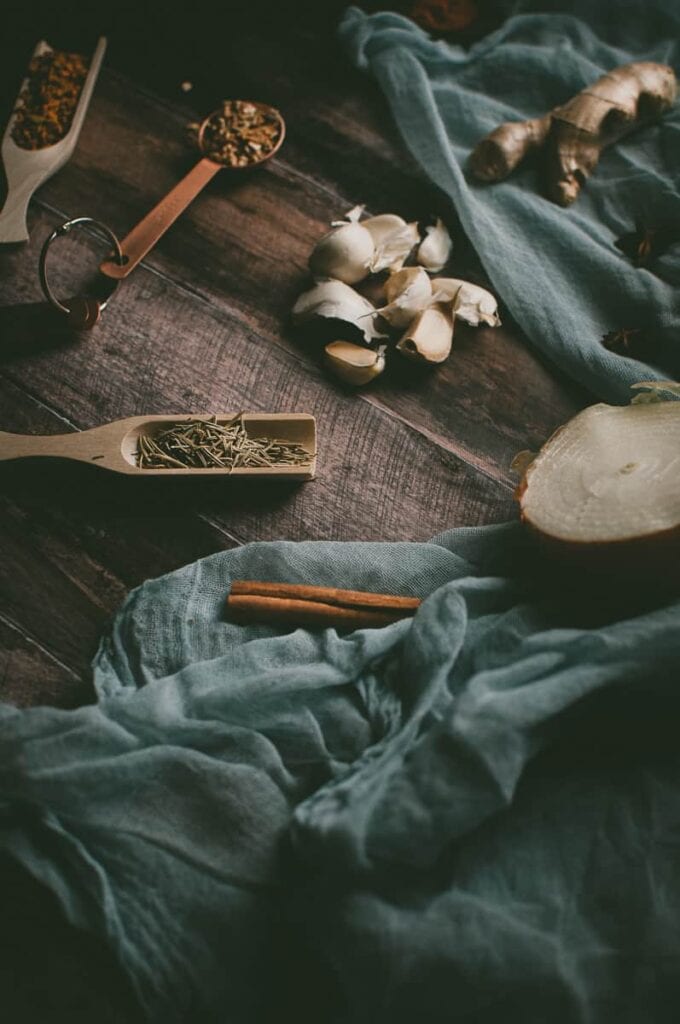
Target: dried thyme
(48, 101)
(207, 444)
(240, 133)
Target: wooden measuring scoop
(27, 169)
(114, 446)
(144, 236)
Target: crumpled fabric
(557, 271)
(472, 815)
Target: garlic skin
(394, 248)
(344, 253)
(393, 239)
(334, 300)
(435, 249)
(408, 291)
(471, 304)
(351, 217)
(382, 225)
(430, 336)
(354, 364)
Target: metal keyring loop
(64, 230)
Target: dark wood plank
(87, 536)
(71, 551)
(162, 349)
(492, 398)
(31, 675)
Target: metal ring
(64, 230)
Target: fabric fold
(558, 271)
(486, 793)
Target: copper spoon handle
(144, 235)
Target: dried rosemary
(207, 444)
(240, 133)
(49, 99)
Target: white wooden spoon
(114, 445)
(27, 169)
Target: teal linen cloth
(473, 815)
(558, 271)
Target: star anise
(444, 15)
(624, 340)
(647, 242)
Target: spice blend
(240, 133)
(207, 444)
(48, 101)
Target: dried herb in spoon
(240, 133)
(207, 444)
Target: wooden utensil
(114, 445)
(144, 235)
(27, 169)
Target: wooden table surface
(203, 324)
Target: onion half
(606, 487)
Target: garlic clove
(471, 304)
(394, 247)
(345, 253)
(354, 364)
(434, 250)
(408, 291)
(430, 336)
(334, 300)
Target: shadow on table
(87, 492)
(32, 328)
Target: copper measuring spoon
(144, 235)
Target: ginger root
(574, 135)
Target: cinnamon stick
(301, 605)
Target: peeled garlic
(430, 336)
(345, 253)
(394, 248)
(472, 304)
(353, 363)
(333, 300)
(408, 291)
(434, 250)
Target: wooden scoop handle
(30, 445)
(144, 236)
(84, 445)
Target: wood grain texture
(267, 224)
(162, 348)
(203, 324)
